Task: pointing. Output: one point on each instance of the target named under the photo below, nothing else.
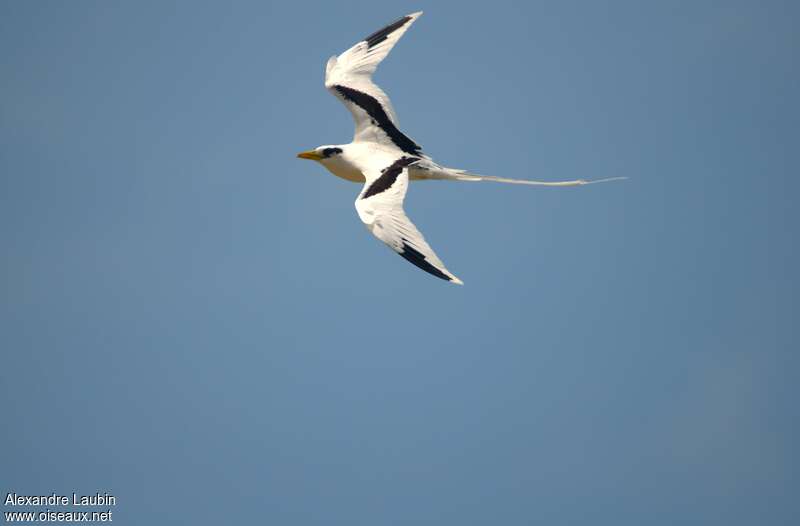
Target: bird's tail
(463, 175)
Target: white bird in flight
(383, 157)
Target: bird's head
(321, 153)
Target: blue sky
(195, 321)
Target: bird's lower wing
(380, 207)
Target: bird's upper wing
(349, 78)
(380, 207)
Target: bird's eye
(327, 152)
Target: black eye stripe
(327, 152)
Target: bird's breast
(346, 171)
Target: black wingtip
(382, 34)
(415, 257)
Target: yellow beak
(310, 154)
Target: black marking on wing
(388, 176)
(370, 104)
(415, 256)
(380, 35)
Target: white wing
(349, 78)
(380, 207)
